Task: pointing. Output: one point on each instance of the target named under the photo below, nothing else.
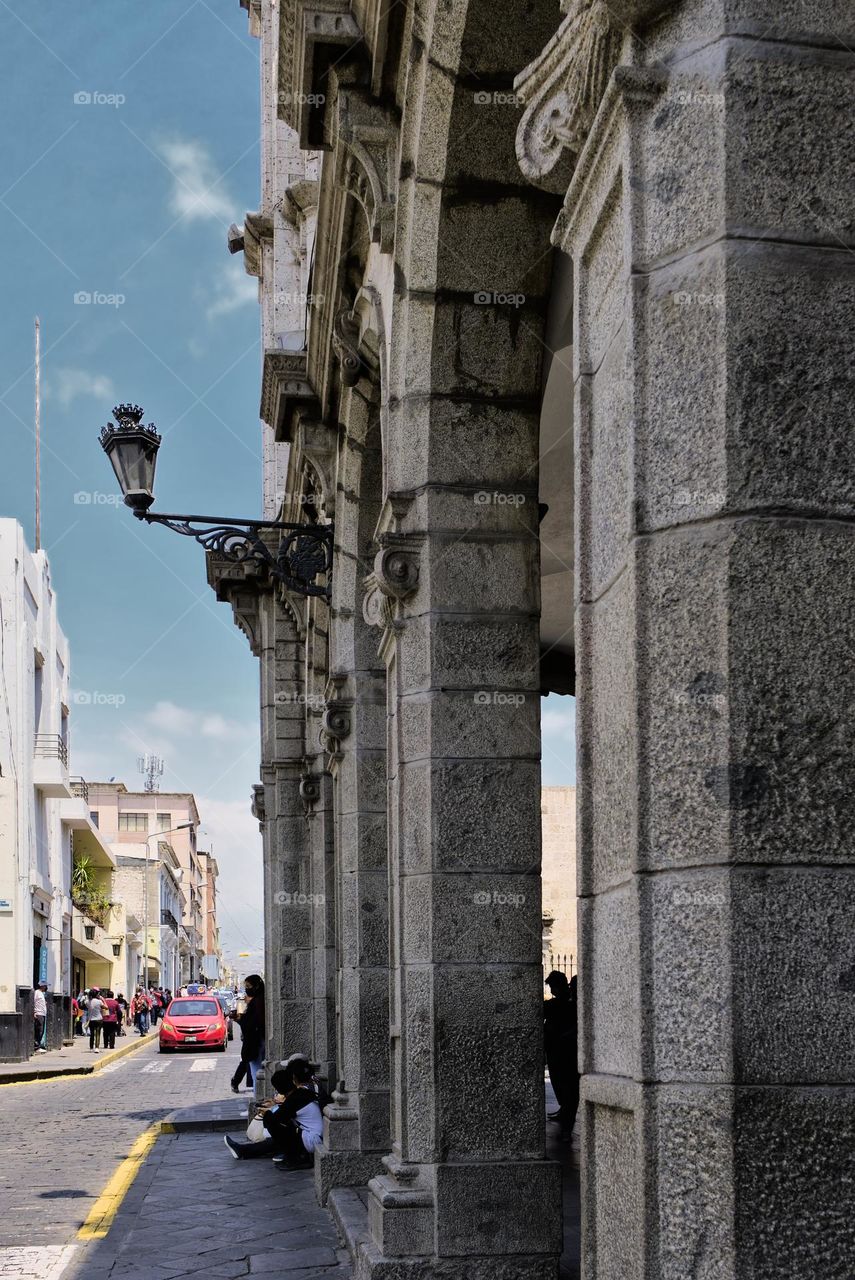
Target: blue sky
(130, 142)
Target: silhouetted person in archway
(560, 1043)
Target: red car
(196, 1022)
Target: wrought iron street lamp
(305, 551)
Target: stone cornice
(256, 229)
(305, 28)
(284, 385)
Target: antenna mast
(151, 767)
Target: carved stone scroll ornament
(345, 340)
(563, 88)
(396, 570)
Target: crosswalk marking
(203, 1064)
(155, 1068)
(43, 1262)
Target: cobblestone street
(63, 1139)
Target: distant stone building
(558, 878)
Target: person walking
(83, 1001)
(138, 1009)
(123, 1014)
(253, 1033)
(96, 1019)
(40, 1018)
(110, 1015)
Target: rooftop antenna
(38, 369)
(151, 767)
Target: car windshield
(193, 1009)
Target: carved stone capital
(367, 138)
(299, 199)
(256, 229)
(396, 568)
(310, 790)
(285, 385)
(562, 90)
(335, 720)
(345, 340)
(377, 609)
(258, 810)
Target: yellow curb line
(101, 1215)
(113, 1056)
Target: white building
(44, 815)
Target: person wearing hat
(40, 1017)
(283, 1084)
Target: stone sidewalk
(72, 1060)
(195, 1211)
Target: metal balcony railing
(167, 918)
(51, 746)
(80, 788)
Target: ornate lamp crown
(129, 418)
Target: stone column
(466, 1194)
(288, 953)
(356, 1132)
(710, 222)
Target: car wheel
(222, 1047)
(163, 1049)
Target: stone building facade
(558, 879)
(556, 311)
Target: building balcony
(168, 920)
(93, 943)
(50, 766)
(87, 839)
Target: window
(93, 817)
(164, 821)
(133, 822)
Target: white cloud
(561, 719)
(169, 718)
(231, 832)
(216, 726)
(235, 289)
(70, 384)
(195, 194)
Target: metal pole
(145, 924)
(38, 436)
